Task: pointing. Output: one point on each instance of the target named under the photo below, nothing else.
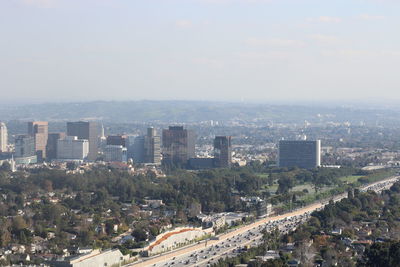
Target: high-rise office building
(51, 148)
(222, 151)
(88, 131)
(116, 140)
(152, 147)
(178, 145)
(24, 146)
(302, 154)
(25, 150)
(146, 148)
(137, 149)
(130, 140)
(72, 148)
(39, 130)
(115, 153)
(3, 137)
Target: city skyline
(284, 174)
(207, 133)
(230, 50)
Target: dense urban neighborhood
(282, 195)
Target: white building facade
(3, 137)
(72, 148)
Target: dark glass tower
(178, 145)
(223, 151)
(302, 154)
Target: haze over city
(201, 133)
(230, 50)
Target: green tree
(6, 167)
(285, 183)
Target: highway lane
(223, 237)
(232, 246)
(238, 237)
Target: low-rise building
(112, 257)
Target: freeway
(229, 244)
(233, 245)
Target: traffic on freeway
(230, 244)
(234, 245)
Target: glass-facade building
(178, 145)
(301, 154)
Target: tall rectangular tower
(223, 151)
(178, 145)
(51, 149)
(24, 146)
(39, 130)
(152, 147)
(137, 149)
(3, 137)
(85, 130)
(116, 140)
(115, 153)
(302, 154)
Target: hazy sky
(263, 50)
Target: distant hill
(192, 111)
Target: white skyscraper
(3, 137)
(102, 136)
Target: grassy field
(301, 187)
(350, 179)
(326, 192)
(272, 189)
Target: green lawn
(328, 191)
(301, 187)
(350, 179)
(272, 189)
